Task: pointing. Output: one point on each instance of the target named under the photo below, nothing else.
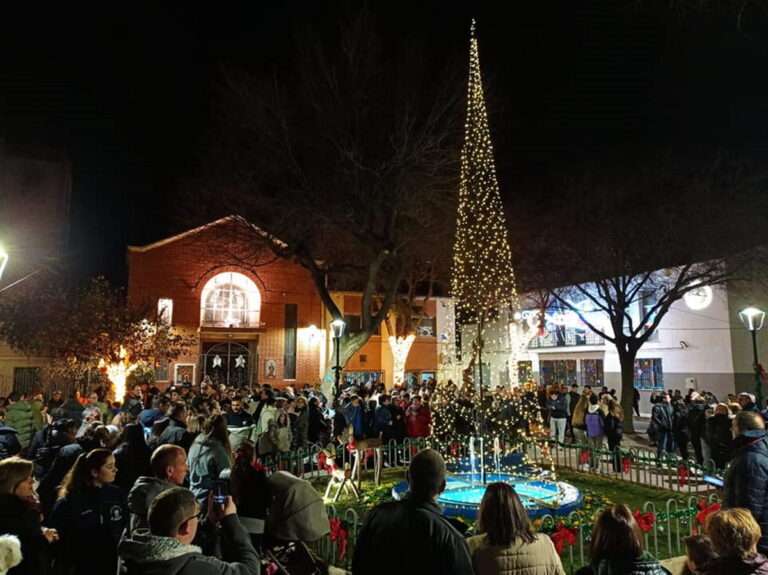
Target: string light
(400, 347)
(485, 296)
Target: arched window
(230, 299)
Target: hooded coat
(207, 459)
(132, 457)
(146, 554)
(746, 481)
(21, 416)
(141, 496)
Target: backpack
(594, 422)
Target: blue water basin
(464, 491)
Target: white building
(700, 343)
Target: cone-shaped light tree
(482, 279)
(484, 292)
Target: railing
(568, 337)
(664, 537)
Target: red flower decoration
(626, 464)
(705, 510)
(583, 457)
(682, 476)
(339, 535)
(562, 536)
(644, 520)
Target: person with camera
(166, 547)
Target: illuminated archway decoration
(400, 347)
(230, 299)
(118, 372)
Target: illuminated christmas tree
(485, 295)
(483, 279)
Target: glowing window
(230, 299)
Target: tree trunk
(350, 344)
(627, 361)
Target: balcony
(566, 337)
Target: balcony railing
(566, 337)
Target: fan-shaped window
(230, 299)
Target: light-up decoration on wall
(699, 298)
(400, 347)
(118, 372)
(230, 299)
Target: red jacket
(417, 421)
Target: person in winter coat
(383, 425)
(90, 516)
(719, 436)
(131, 457)
(209, 455)
(237, 416)
(595, 422)
(353, 414)
(426, 542)
(250, 490)
(20, 415)
(663, 421)
(696, 424)
(280, 433)
(9, 442)
(317, 431)
(734, 534)
(614, 431)
(166, 547)
(617, 546)
(680, 427)
(176, 432)
(20, 516)
(746, 481)
(301, 424)
(169, 469)
(578, 425)
(507, 544)
(418, 419)
(558, 414)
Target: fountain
(540, 492)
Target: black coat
(318, 427)
(662, 417)
(132, 457)
(643, 565)
(746, 481)
(719, 437)
(90, 524)
(697, 418)
(9, 442)
(49, 485)
(22, 520)
(426, 543)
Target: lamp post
(337, 326)
(753, 319)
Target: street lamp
(3, 260)
(337, 326)
(753, 319)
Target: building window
(426, 326)
(560, 371)
(649, 374)
(355, 324)
(26, 379)
(648, 299)
(524, 371)
(289, 346)
(230, 299)
(592, 372)
(165, 311)
(161, 370)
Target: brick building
(262, 323)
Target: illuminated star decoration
(217, 361)
(239, 361)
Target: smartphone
(716, 481)
(219, 493)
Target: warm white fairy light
(118, 372)
(400, 347)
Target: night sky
(129, 94)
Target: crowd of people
(165, 482)
(695, 425)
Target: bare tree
(637, 244)
(346, 164)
